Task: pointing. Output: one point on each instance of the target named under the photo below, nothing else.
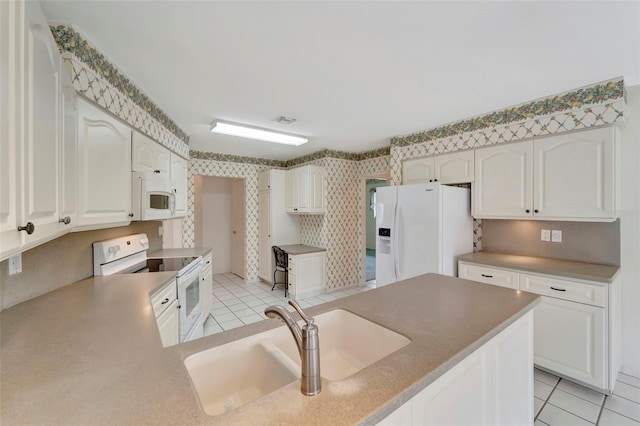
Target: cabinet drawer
(207, 261)
(567, 290)
(291, 263)
(499, 277)
(163, 298)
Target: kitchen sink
(234, 374)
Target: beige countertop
(180, 252)
(543, 265)
(90, 353)
(301, 249)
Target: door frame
(362, 281)
(241, 192)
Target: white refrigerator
(421, 228)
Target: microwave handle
(173, 203)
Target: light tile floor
(557, 402)
(236, 303)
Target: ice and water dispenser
(384, 240)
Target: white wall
(630, 236)
(213, 221)
(370, 219)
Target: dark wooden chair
(282, 266)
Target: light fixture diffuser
(244, 131)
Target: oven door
(189, 296)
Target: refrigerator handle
(396, 240)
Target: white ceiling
(354, 74)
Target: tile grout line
(601, 409)
(544, 404)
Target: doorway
(219, 218)
(371, 185)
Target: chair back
(281, 257)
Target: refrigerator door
(386, 198)
(417, 229)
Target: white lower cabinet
(166, 309)
(307, 274)
(577, 323)
(104, 169)
(492, 386)
(570, 339)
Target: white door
(419, 170)
(569, 338)
(179, 177)
(10, 131)
(104, 168)
(41, 177)
(237, 228)
(417, 233)
(386, 199)
(264, 235)
(503, 186)
(574, 175)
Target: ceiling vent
(284, 120)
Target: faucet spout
(282, 313)
(308, 345)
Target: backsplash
(63, 261)
(592, 242)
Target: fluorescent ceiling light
(227, 128)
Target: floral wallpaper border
(590, 95)
(69, 40)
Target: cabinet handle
(295, 210)
(557, 289)
(165, 301)
(156, 171)
(430, 180)
(487, 276)
(130, 214)
(527, 211)
(536, 211)
(66, 220)
(435, 180)
(29, 227)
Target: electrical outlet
(545, 235)
(556, 236)
(15, 264)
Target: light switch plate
(556, 236)
(545, 235)
(15, 264)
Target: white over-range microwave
(153, 197)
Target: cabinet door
(104, 169)
(41, 144)
(503, 185)
(68, 152)
(569, 338)
(419, 170)
(317, 189)
(265, 254)
(574, 175)
(454, 168)
(264, 180)
(149, 156)
(302, 189)
(169, 325)
(291, 193)
(179, 177)
(10, 131)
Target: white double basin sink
(231, 375)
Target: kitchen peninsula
(90, 353)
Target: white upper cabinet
(305, 190)
(564, 177)
(34, 144)
(149, 156)
(68, 152)
(104, 169)
(503, 186)
(574, 175)
(179, 176)
(456, 167)
(264, 180)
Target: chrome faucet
(308, 345)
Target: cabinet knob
(29, 227)
(130, 214)
(66, 220)
(536, 211)
(435, 180)
(527, 211)
(430, 180)
(156, 171)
